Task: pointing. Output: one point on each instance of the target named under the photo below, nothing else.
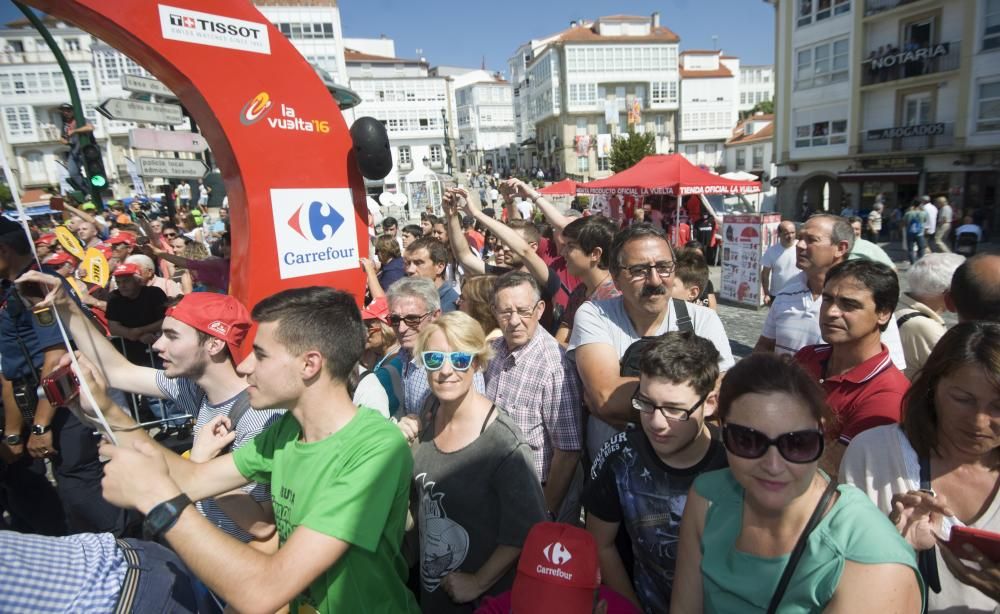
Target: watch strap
(40, 429)
(161, 518)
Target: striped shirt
(793, 322)
(190, 398)
(539, 388)
(76, 573)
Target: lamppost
(447, 141)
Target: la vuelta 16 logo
(259, 107)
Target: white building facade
(709, 101)
(485, 119)
(756, 85)
(750, 149)
(593, 82)
(892, 97)
(313, 27)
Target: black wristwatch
(163, 516)
(40, 429)
(13, 439)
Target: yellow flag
(96, 266)
(69, 242)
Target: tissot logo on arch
(200, 28)
(279, 117)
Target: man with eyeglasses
(531, 379)
(642, 476)
(413, 302)
(642, 266)
(863, 388)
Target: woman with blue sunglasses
(772, 533)
(476, 494)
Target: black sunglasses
(798, 447)
(412, 321)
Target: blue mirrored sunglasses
(460, 361)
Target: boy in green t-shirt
(339, 475)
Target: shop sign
(913, 55)
(888, 164)
(905, 131)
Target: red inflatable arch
(296, 196)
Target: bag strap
(800, 547)
(927, 559)
(683, 317)
(908, 317)
(240, 406)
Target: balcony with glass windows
(917, 137)
(892, 63)
(42, 57)
(874, 7)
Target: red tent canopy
(566, 187)
(669, 174)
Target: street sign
(145, 85)
(171, 167)
(162, 140)
(139, 111)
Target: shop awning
(669, 174)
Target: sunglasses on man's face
(411, 321)
(798, 447)
(460, 361)
(170, 235)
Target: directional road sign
(145, 85)
(171, 167)
(139, 111)
(162, 140)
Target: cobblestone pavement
(743, 326)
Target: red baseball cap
(558, 571)
(46, 239)
(218, 315)
(122, 237)
(378, 309)
(59, 259)
(125, 269)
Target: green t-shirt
(733, 581)
(354, 485)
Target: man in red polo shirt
(863, 388)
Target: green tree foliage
(765, 106)
(628, 150)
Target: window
(36, 165)
(20, 121)
(711, 148)
(72, 44)
(820, 65)
(663, 92)
(582, 94)
(436, 157)
(822, 133)
(582, 164)
(743, 98)
(581, 126)
(819, 10)
(404, 156)
(691, 151)
(604, 164)
(306, 30)
(988, 115)
(991, 25)
(741, 158)
(661, 125)
(758, 156)
(917, 109)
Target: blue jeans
(915, 241)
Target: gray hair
(142, 261)
(840, 229)
(415, 287)
(514, 279)
(931, 275)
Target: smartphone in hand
(986, 542)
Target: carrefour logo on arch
(314, 231)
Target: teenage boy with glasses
(642, 476)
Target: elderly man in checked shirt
(531, 379)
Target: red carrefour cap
(46, 239)
(125, 269)
(122, 237)
(218, 315)
(378, 309)
(558, 571)
(59, 259)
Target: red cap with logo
(558, 571)
(46, 239)
(123, 270)
(122, 237)
(378, 309)
(59, 259)
(218, 315)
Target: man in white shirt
(778, 263)
(944, 218)
(930, 228)
(642, 265)
(793, 321)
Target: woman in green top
(741, 523)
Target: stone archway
(822, 191)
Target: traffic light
(93, 165)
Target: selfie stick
(84, 388)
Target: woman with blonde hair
(476, 491)
(476, 300)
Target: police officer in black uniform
(30, 347)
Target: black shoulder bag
(927, 559)
(800, 546)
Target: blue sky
(465, 32)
